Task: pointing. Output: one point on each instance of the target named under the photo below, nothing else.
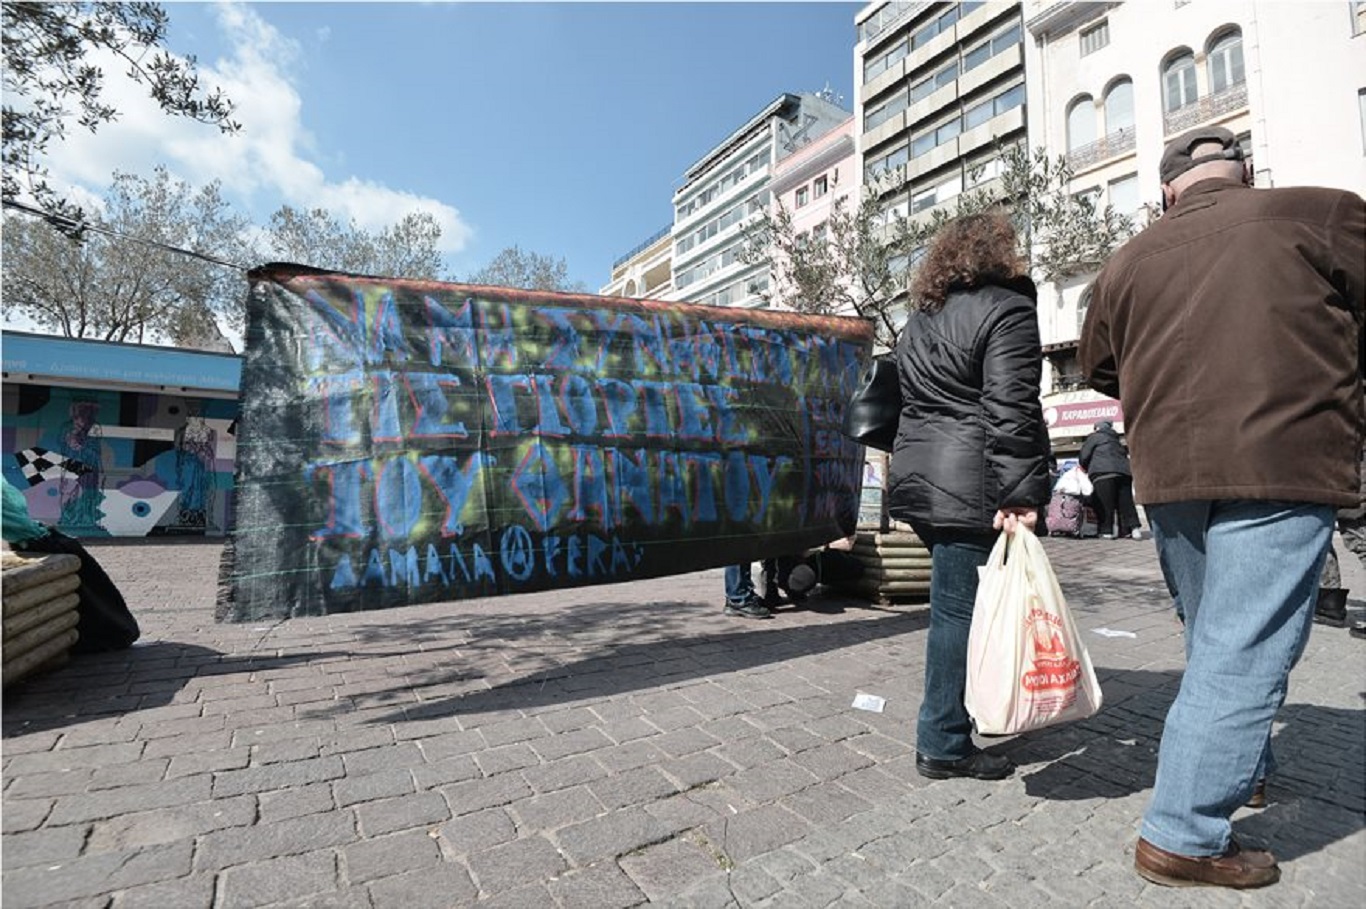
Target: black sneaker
(749, 609)
(979, 766)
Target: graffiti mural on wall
(110, 463)
(406, 442)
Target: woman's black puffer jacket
(971, 438)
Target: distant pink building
(811, 180)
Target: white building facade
(727, 190)
(646, 271)
(1110, 83)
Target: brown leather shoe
(1238, 868)
(1258, 797)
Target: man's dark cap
(1176, 157)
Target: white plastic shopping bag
(1075, 482)
(1027, 665)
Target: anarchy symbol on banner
(518, 553)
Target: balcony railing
(1108, 146)
(661, 233)
(1205, 109)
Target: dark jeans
(944, 730)
(1114, 497)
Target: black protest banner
(408, 442)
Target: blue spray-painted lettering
(454, 483)
(388, 334)
(565, 339)
(505, 419)
(736, 486)
(576, 396)
(632, 476)
(430, 406)
(655, 395)
(453, 330)
(619, 401)
(384, 420)
(338, 402)
(672, 486)
(398, 498)
(344, 511)
(547, 413)
(590, 486)
(403, 566)
(693, 414)
(765, 472)
(702, 464)
(434, 567)
(337, 337)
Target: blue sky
(561, 127)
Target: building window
(1081, 123)
(1226, 62)
(1361, 107)
(803, 196)
(1119, 107)
(1178, 81)
(1124, 194)
(819, 187)
(1095, 37)
(1358, 18)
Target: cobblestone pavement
(619, 745)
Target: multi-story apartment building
(811, 182)
(646, 271)
(726, 188)
(1110, 83)
(937, 87)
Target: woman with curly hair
(971, 453)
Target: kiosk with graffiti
(410, 441)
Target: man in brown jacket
(1231, 330)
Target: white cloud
(271, 161)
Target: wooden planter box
(39, 613)
(896, 567)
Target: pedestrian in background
(1106, 461)
(741, 599)
(1231, 331)
(971, 454)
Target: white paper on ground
(1114, 633)
(869, 702)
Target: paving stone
(93, 875)
(207, 762)
(557, 809)
(574, 771)
(476, 795)
(696, 769)
(450, 770)
(479, 831)
(369, 787)
(440, 887)
(389, 815)
(611, 835)
(358, 762)
(634, 787)
(439, 747)
(191, 892)
(88, 757)
(666, 868)
(167, 825)
(288, 803)
(38, 785)
(128, 799)
(577, 742)
(508, 732)
(756, 831)
(506, 758)
(600, 886)
(505, 867)
(47, 846)
(259, 842)
(277, 879)
(277, 776)
(389, 855)
(147, 770)
(773, 780)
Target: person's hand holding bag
(1027, 664)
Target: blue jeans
(944, 729)
(1246, 576)
(739, 584)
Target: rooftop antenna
(829, 94)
